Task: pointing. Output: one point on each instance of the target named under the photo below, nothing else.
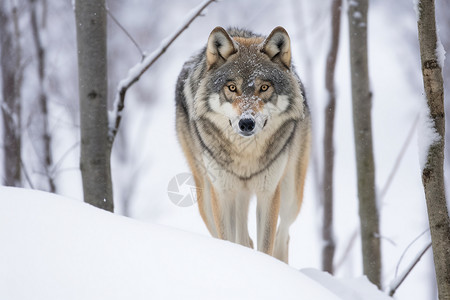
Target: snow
(353, 288)
(440, 52)
(357, 15)
(399, 279)
(416, 9)
(59, 248)
(427, 134)
(353, 3)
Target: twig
(350, 245)
(406, 249)
(398, 281)
(387, 239)
(27, 176)
(140, 68)
(63, 157)
(125, 31)
(399, 159)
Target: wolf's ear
(278, 46)
(220, 47)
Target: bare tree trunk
(45, 138)
(362, 122)
(328, 148)
(443, 18)
(92, 75)
(433, 171)
(10, 106)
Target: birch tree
(10, 104)
(95, 160)
(362, 123)
(433, 171)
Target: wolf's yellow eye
(232, 88)
(264, 87)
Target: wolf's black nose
(247, 125)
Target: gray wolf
(244, 126)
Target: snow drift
(58, 248)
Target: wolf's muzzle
(248, 123)
(247, 126)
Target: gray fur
(227, 164)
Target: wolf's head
(250, 81)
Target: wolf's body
(244, 126)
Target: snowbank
(57, 248)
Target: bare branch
(27, 176)
(125, 31)
(399, 159)
(406, 249)
(57, 165)
(346, 252)
(140, 68)
(398, 281)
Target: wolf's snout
(247, 125)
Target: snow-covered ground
(58, 248)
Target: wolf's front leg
(204, 199)
(224, 211)
(242, 204)
(267, 211)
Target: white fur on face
(225, 108)
(282, 102)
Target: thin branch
(126, 32)
(400, 156)
(139, 69)
(398, 281)
(71, 169)
(63, 157)
(387, 239)
(27, 176)
(406, 249)
(346, 252)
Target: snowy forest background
(146, 154)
